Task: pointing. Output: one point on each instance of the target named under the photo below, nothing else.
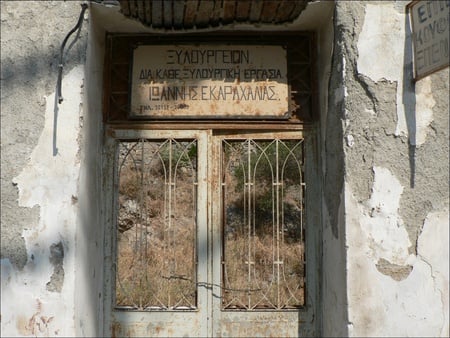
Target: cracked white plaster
(382, 223)
(433, 248)
(49, 181)
(379, 305)
(381, 46)
(350, 140)
(424, 109)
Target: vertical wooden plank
(229, 10)
(140, 10)
(255, 10)
(133, 9)
(204, 12)
(157, 9)
(269, 10)
(108, 219)
(168, 13)
(125, 7)
(243, 10)
(148, 13)
(284, 10)
(190, 13)
(178, 14)
(299, 7)
(313, 194)
(216, 13)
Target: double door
(209, 234)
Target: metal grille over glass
(263, 210)
(156, 225)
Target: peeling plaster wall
(40, 148)
(385, 172)
(395, 192)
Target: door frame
(209, 319)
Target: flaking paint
(390, 231)
(357, 295)
(414, 306)
(50, 182)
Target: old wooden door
(209, 234)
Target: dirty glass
(264, 236)
(156, 225)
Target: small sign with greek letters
(430, 33)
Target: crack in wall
(433, 276)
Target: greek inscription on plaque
(209, 82)
(430, 26)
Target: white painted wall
(90, 220)
(381, 50)
(50, 182)
(379, 305)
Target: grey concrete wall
(40, 166)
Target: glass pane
(156, 225)
(263, 211)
